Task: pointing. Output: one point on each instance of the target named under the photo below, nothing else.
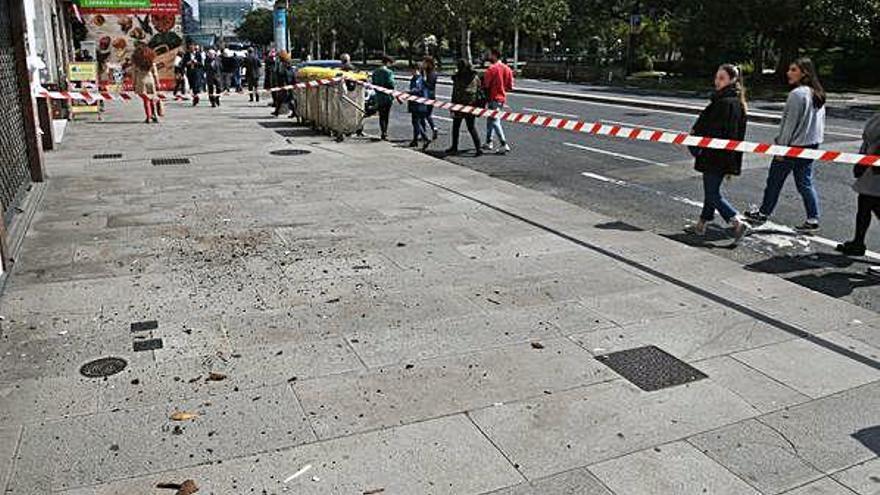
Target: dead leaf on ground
(537, 345)
(216, 377)
(183, 416)
(374, 492)
(188, 487)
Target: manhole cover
(100, 368)
(170, 161)
(107, 156)
(651, 368)
(289, 152)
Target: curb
(765, 118)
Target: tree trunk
(466, 42)
(516, 49)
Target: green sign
(115, 4)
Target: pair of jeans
(384, 117)
(419, 126)
(868, 205)
(494, 125)
(470, 121)
(714, 199)
(802, 168)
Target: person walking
(213, 73)
(227, 70)
(724, 118)
(284, 76)
(383, 77)
(179, 74)
(269, 81)
(345, 60)
(194, 62)
(803, 125)
(497, 81)
(418, 111)
(252, 66)
(145, 79)
(430, 73)
(465, 89)
(867, 186)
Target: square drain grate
(170, 161)
(143, 326)
(651, 368)
(107, 156)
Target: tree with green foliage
(257, 27)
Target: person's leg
(384, 117)
(429, 118)
(490, 127)
(456, 129)
(471, 121)
(867, 206)
(779, 171)
(711, 192)
(803, 177)
(414, 119)
(148, 108)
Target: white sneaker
(740, 229)
(488, 146)
(504, 149)
(699, 228)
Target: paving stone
(39, 399)
(520, 246)
(647, 304)
(835, 432)
(244, 368)
(671, 468)
(824, 486)
(760, 391)
(401, 394)
(8, 444)
(814, 312)
(446, 456)
(689, 337)
(808, 368)
(103, 447)
(574, 482)
(600, 422)
(863, 479)
(758, 454)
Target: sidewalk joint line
(781, 325)
(494, 445)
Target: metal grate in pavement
(170, 161)
(650, 368)
(107, 156)
(289, 152)
(141, 326)
(103, 367)
(147, 345)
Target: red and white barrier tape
(617, 131)
(91, 95)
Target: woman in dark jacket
(465, 88)
(724, 118)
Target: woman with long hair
(429, 72)
(724, 118)
(803, 125)
(146, 80)
(465, 90)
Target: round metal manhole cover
(289, 152)
(103, 367)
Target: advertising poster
(118, 26)
(281, 28)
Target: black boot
(851, 248)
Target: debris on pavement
(188, 487)
(299, 473)
(216, 377)
(183, 416)
(537, 345)
(374, 491)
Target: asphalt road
(654, 187)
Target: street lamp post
(516, 39)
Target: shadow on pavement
(623, 226)
(789, 264)
(869, 437)
(715, 238)
(836, 284)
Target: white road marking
(771, 233)
(611, 153)
(630, 124)
(440, 117)
(548, 112)
(298, 473)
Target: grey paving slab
(648, 304)
(588, 425)
(671, 468)
(574, 482)
(9, 438)
(39, 399)
(689, 337)
(835, 432)
(520, 246)
(863, 478)
(824, 486)
(814, 312)
(401, 394)
(98, 448)
(809, 368)
(244, 368)
(762, 392)
(446, 456)
(758, 454)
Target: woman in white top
(803, 125)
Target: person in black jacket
(724, 118)
(465, 90)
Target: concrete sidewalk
(379, 321)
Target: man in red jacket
(497, 81)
